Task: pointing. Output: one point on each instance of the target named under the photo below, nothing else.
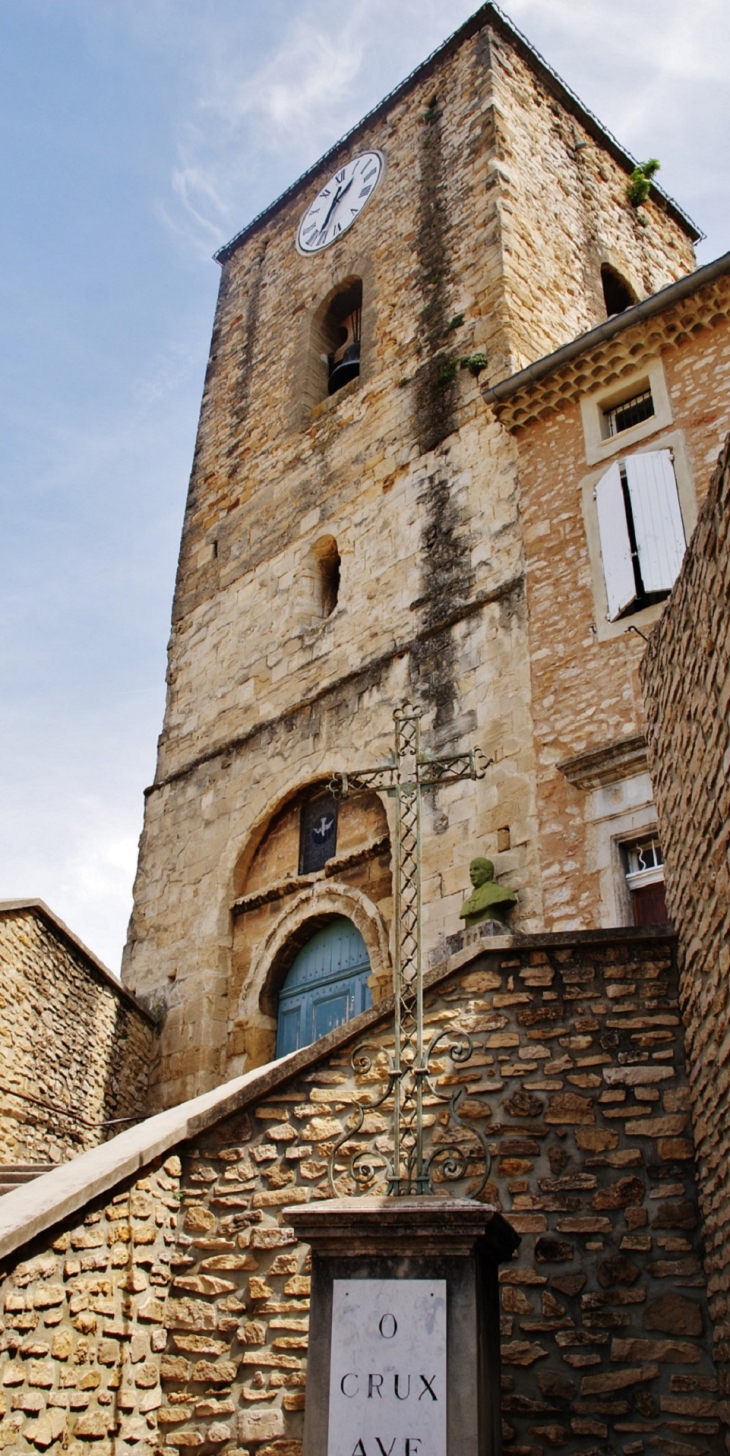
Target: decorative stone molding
(293, 883)
(606, 765)
(601, 357)
(311, 909)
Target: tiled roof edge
(648, 308)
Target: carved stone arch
(304, 915)
(246, 849)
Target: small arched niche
(317, 587)
(617, 293)
(335, 341)
(326, 559)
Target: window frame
(645, 617)
(593, 407)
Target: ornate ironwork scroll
(450, 1150)
(405, 776)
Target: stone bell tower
(352, 542)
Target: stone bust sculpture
(488, 901)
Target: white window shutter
(618, 570)
(658, 524)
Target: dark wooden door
(649, 904)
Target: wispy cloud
(259, 119)
(254, 127)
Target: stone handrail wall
(172, 1311)
(687, 687)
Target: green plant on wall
(474, 363)
(639, 184)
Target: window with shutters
(641, 532)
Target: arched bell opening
(317, 982)
(343, 326)
(336, 340)
(617, 293)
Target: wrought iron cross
(405, 776)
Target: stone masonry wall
(174, 1314)
(686, 679)
(458, 252)
(564, 212)
(69, 1038)
(585, 692)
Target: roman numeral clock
(340, 202)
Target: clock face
(338, 204)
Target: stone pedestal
(404, 1326)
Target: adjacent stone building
(347, 551)
(687, 686)
(666, 360)
(75, 1047)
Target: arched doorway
(325, 986)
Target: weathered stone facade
(411, 480)
(687, 685)
(170, 1310)
(75, 1048)
(593, 784)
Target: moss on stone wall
(435, 377)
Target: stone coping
(31, 1209)
(415, 1226)
(39, 907)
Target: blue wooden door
(326, 985)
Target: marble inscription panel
(388, 1368)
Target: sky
(139, 135)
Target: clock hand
(336, 200)
(346, 189)
(332, 207)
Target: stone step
(13, 1175)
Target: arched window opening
(326, 985)
(616, 291)
(328, 562)
(339, 335)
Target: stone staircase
(12, 1175)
